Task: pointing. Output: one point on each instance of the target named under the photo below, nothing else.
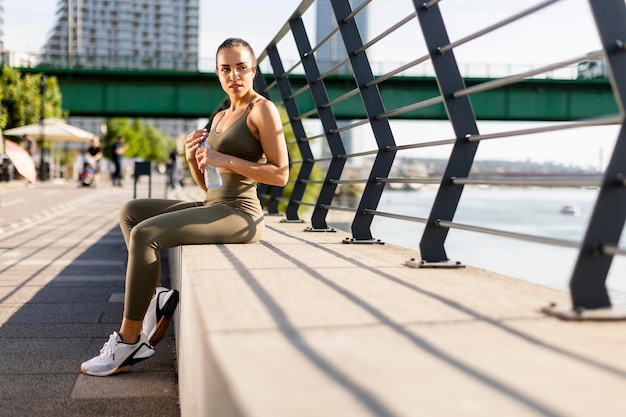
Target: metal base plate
(583, 314)
(292, 221)
(413, 263)
(351, 240)
(328, 229)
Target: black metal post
(329, 124)
(286, 92)
(275, 192)
(42, 92)
(374, 106)
(587, 285)
(463, 122)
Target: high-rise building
(333, 50)
(136, 34)
(126, 34)
(1, 27)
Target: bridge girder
(190, 95)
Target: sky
(27, 24)
(561, 31)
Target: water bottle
(212, 177)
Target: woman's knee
(127, 212)
(132, 210)
(124, 213)
(141, 237)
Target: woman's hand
(192, 144)
(201, 158)
(209, 156)
(192, 148)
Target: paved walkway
(61, 293)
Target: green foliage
(20, 98)
(312, 191)
(144, 141)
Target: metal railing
(186, 63)
(600, 242)
(183, 62)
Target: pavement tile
(37, 355)
(133, 383)
(88, 407)
(35, 387)
(10, 294)
(55, 330)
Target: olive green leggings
(151, 225)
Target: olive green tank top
(237, 140)
(237, 190)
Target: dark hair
(233, 42)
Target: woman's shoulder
(263, 106)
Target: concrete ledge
(206, 392)
(303, 325)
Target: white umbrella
(54, 130)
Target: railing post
(284, 87)
(587, 284)
(276, 192)
(142, 168)
(463, 122)
(329, 124)
(373, 104)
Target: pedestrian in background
(173, 169)
(94, 156)
(116, 156)
(29, 146)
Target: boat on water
(570, 210)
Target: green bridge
(174, 94)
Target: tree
(3, 111)
(20, 98)
(144, 141)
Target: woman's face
(236, 70)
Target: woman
(248, 146)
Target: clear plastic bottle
(212, 177)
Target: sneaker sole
(164, 322)
(117, 371)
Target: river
(534, 211)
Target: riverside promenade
(298, 325)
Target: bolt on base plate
(413, 263)
(327, 229)
(352, 240)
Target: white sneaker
(117, 356)
(160, 312)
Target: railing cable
(520, 236)
(495, 26)
(500, 82)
